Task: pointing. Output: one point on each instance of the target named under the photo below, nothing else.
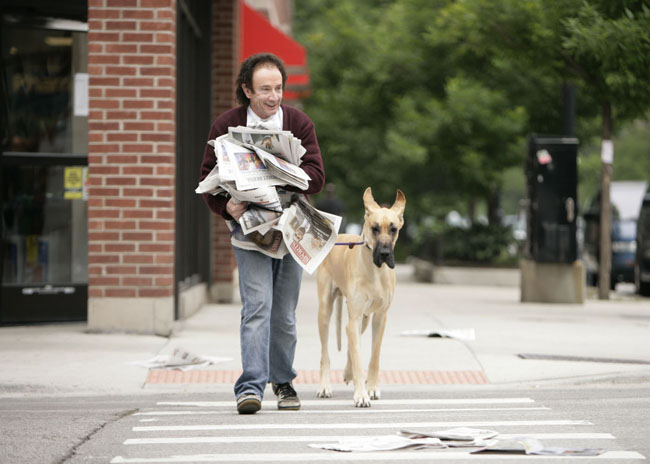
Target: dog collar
(353, 244)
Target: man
(269, 287)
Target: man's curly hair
(248, 67)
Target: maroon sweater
(293, 120)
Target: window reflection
(40, 68)
(44, 226)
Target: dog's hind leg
(378, 327)
(326, 296)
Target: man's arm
(216, 203)
(312, 162)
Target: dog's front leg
(353, 330)
(378, 327)
(327, 296)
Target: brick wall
(131, 158)
(225, 66)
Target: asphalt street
(70, 396)
(202, 427)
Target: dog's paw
(347, 375)
(374, 393)
(324, 392)
(361, 401)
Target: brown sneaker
(287, 396)
(249, 403)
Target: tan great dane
(363, 273)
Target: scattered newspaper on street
(458, 334)
(383, 443)
(252, 165)
(180, 359)
(463, 434)
(486, 441)
(532, 446)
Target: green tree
(395, 109)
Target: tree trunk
(494, 207)
(471, 209)
(607, 157)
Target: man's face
(266, 94)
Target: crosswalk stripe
(387, 402)
(178, 428)
(333, 439)
(383, 455)
(340, 411)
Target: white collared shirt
(273, 123)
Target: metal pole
(607, 158)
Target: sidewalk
(63, 359)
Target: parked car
(642, 262)
(626, 198)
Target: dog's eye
(393, 230)
(375, 229)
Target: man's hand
(236, 209)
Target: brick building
(109, 103)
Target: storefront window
(47, 89)
(44, 206)
(45, 225)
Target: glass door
(44, 242)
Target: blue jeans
(269, 291)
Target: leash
(352, 244)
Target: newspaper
(283, 170)
(251, 166)
(180, 359)
(309, 233)
(276, 142)
(383, 443)
(532, 446)
(461, 437)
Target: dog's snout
(383, 253)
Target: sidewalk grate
(161, 376)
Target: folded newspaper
(251, 166)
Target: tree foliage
(436, 96)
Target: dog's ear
(369, 201)
(400, 204)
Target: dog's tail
(339, 309)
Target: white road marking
(348, 402)
(383, 455)
(337, 411)
(394, 425)
(334, 438)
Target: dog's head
(381, 227)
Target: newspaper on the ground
(461, 437)
(458, 334)
(277, 142)
(381, 443)
(459, 434)
(309, 233)
(276, 221)
(180, 359)
(532, 446)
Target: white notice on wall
(81, 94)
(607, 152)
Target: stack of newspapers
(253, 165)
